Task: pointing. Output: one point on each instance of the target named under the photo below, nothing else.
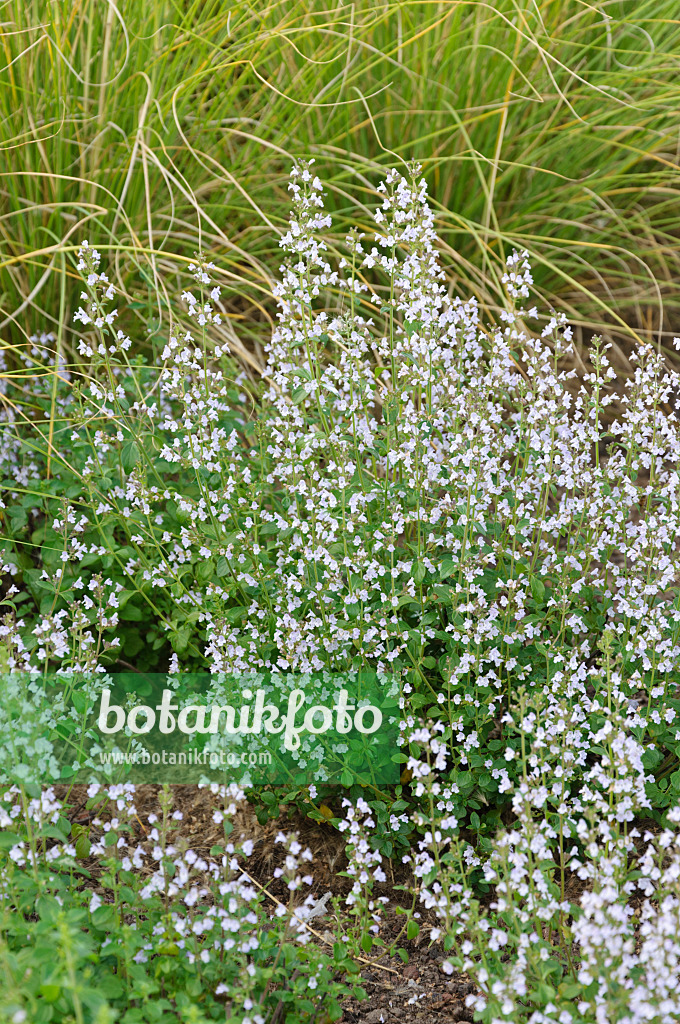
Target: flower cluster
(158, 907)
(419, 489)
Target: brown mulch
(414, 993)
(418, 993)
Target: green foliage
(409, 488)
(128, 951)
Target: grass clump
(164, 129)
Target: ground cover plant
(412, 488)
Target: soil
(417, 992)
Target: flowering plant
(417, 492)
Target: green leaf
(47, 908)
(83, 847)
(50, 993)
(205, 570)
(104, 917)
(131, 613)
(570, 991)
(179, 639)
(80, 703)
(419, 572)
(129, 456)
(447, 567)
(537, 588)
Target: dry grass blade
(164, 130)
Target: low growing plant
(410, 491)
(153, 931)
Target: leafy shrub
(411, 491)
(583, 925)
